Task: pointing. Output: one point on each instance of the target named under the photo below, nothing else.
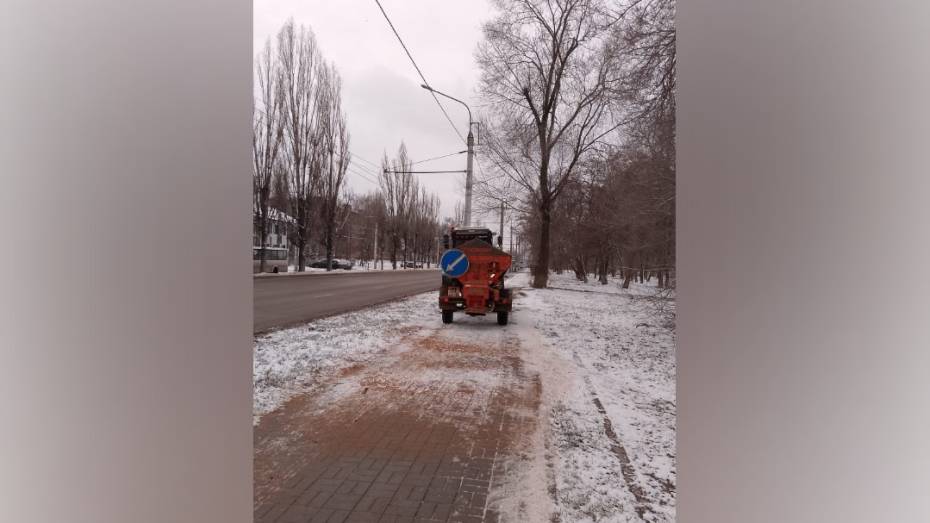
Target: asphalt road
(289, 299)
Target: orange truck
(473, 275)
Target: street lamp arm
(471, 152)
(470, 121)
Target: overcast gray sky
(381, 89)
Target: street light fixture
(471, 154)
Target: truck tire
(502, 317)
(447, 316)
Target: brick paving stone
(319, 516)
(296, 514)
(442, 511)
(393, 518)
(401, 451)
(313, 498)
(363, 517)
(276, 511)
(343, 501)
(402, 508)
(373, 503)
(338, 516)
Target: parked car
(336, 264)
(320, 264)
(341, 264)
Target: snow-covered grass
(625, 350)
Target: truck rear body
(480, 289)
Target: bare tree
(548, 69)
(647, 163)
(459, 218)
(424, 224)
(335, 143)
(267, 136)
(301, 150)
(300, 59)
(615, 212)
(366, 221)
(398, 190)
(645, 34)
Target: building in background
(276, 244)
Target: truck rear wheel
(447, 316)
(502, 317)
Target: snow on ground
(623, 342)
(358, 266)
(289, 361)
(607, 450)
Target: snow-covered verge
(624, 347)
(293, 360)
(360, 267)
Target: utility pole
(511, 235)
(468, 173)
(349, 243)
(471, 153)
(500, 235)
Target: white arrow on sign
(456, 262)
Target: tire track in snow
(626, 466)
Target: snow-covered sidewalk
(602, 446)
(623, 346)
(290, 361)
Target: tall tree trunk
(263, 197)
(300, 255)
(262, 234)
(581, 272)
(541, 270)
(329, 249)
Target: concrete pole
(500, 234)
(468, 176)
(511, 236)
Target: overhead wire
(439, 157)
(369, 162)
(415, 66)
(362, 173)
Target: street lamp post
(471, 154)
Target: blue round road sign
(453, 263)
